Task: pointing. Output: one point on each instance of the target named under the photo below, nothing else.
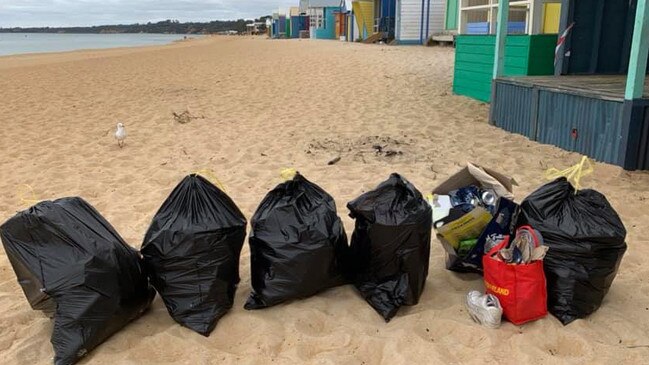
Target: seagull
(120, 135)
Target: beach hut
(282, 26)
(293, 23)
(274, 25)
(299, 24)
(595, 103)
(322, 17)
(341, 24)
(278, 24)
(385, 12)
(417, 20)
(254, 28)
(375, 19)
(353, 32)
(530, 43)
(363, 11)
(287, 27)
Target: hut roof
(323, 3)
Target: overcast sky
(53, 13)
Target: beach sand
(267, 105)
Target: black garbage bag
(297, 244)
(192, 251)
(74, 266)
(586, 240)
(390, 246)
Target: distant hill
(167, 26)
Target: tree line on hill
(163, 27)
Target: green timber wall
(451, 15)
(525, 55)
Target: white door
(409, 20)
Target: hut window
(479, 16)
(316, 17)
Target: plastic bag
(390, 247)
(192, 251)
(74, 266)
(297, 244)
(520, 288)
(586, 240)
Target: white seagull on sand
(120, 135)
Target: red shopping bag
(520, 288)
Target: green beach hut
(531, 38)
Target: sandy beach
(263, 105)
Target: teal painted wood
(639, 52)
(474, 61)
(471, 91)
(512, 109)
(576, 123)
(451, 15)
(329, 29)
(501, 37)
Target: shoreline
(99, 51)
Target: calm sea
(18, 43)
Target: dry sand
(273, 104)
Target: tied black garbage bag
(390, 246)
(192, 251)
(586, 240)
(72, 265)
(297, 244)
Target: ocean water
(19, 43)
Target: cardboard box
(473, 223)
(474, 174)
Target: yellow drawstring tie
(288, 173)
(26, 195)
(211, 177)
(573, 173)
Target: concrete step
(443, 38)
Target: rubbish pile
(463, 206)
(558, 252)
